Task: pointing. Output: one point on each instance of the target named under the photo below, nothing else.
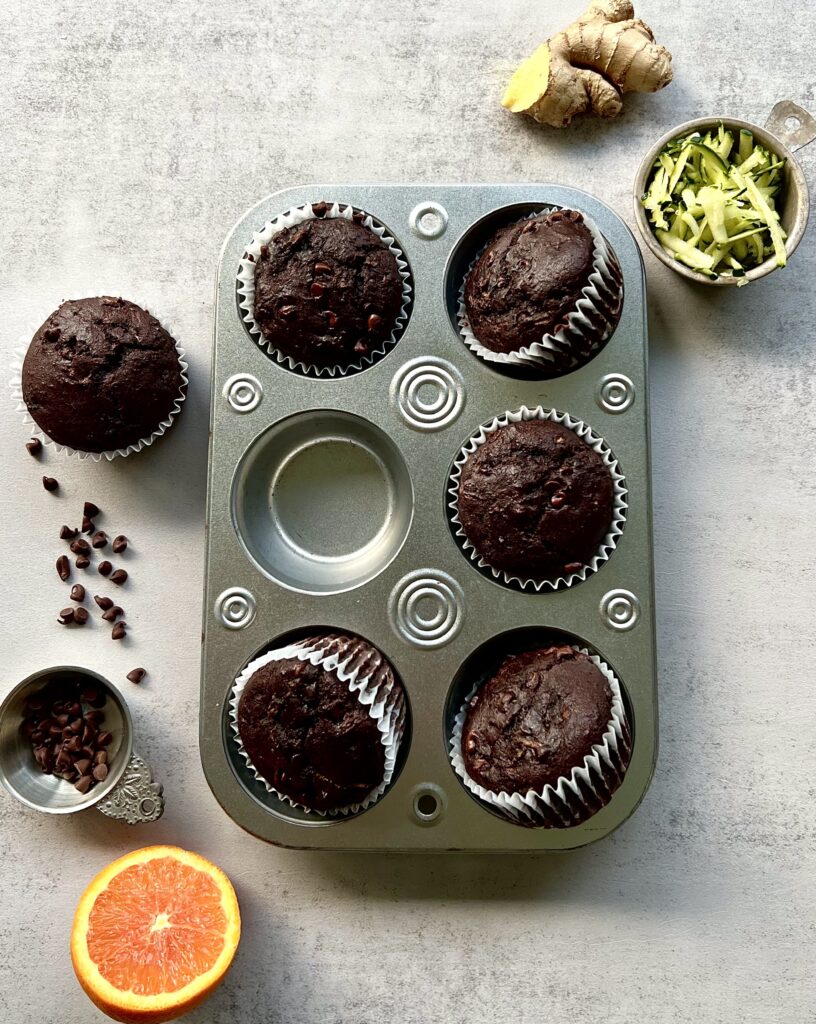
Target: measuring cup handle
(792, 124)
(136, 797)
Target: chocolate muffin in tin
(537, 499)
(544, 293)
(320, 722)
(545, 739)
(326, 289)
(102, 375)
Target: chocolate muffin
(327, 292)
(101, 374)
(535, 720)
(535, 501)
(309, 736)
(529, 279)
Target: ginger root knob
(589, 66)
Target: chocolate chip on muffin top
(101, 374)
(327, 292)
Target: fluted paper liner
(246, 286)
(595, 442)
(575, 797)
(585, 330)
(16, 386)
(369, 677)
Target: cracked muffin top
(535, 720)
(101, 374)
(327, 292)
(535, 500)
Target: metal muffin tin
(327, 510)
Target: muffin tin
(328, 510)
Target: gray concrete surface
(134, 134)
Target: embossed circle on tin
(243, 392)
(620, 610)
(428, 220)
(429, 393)
(615, 393)
(235, 608)
(428, 802)
(426, 608)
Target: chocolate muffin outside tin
(579, 792)
(295, 359)
(587, 436)
(369, 679)
(580, 332)
(105, 375)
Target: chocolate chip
(80, 546)
(83, 783)
(104, 568)
(67, 532)
(66, 616)
(78, 593)
(104, 739)
(63, 568)
(119, 631)
(320, 209)
(96, 716)
(50, 484)
(322, 268)
(83, 562)
(100, 757)
(137, 675)
(82, 765)
(103, 602)
(80, 616)
(332, 319)
(34, 446)
(558, 499)
(100, 772)
(87, 525)
(89, 696)
(573, 567)
(286, 312)
(89, 510)
(119, 577)
(317, 289)
(374, 321)
(112, 614)
(120, 543)
(99, 539)
(361, 347)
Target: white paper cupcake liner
(16, 387)
(246, 287)
(368, 676)
(585, 330)
(576, 796)
(619, 495)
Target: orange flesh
(157, 927)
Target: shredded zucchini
(713, 202)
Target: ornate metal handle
(792, 124)
(136, 797)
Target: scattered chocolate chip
(119, 577)
(100, 772)
(331, 319)
(99, 539)
(104, 568)
(119, 544)
(573, 567)
(66, 616)
(374, 321)
(103, 602)
(83, 562)
(34, 446)
(80, 616)
(320, 209)
(78, 593)
(137, 675)
(317, 289)
(50, 484)
(80, 546)
(558, 499)
(67, 533)
(112, 614)
(89, 510)
(87, 525)
(83, 783)
(63, 568)
(119, 631)
(322, 268)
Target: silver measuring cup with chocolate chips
(66, 744)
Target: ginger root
(603, 54)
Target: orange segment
(154, 934)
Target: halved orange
(154, 934)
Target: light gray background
(133, 136)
